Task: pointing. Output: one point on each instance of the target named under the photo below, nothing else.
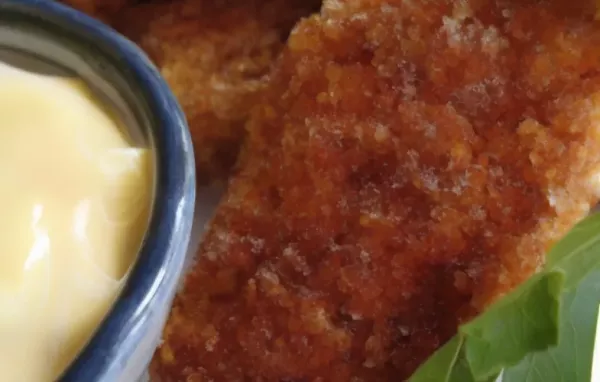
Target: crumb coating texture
(409, 163)
(215, 55)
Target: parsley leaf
(543, 331)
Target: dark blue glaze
(163, 252)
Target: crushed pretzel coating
(215, 55)
(409, 163)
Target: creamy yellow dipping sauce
(74, 203)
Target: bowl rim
(160, 260)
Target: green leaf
(442, 363)
(461, 371)
(543, 331)
(571, 360)
(524, 321)
(578, 253)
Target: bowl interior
(32, 47)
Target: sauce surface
(75, 198)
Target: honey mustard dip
(75, 198)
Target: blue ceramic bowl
(53, 37)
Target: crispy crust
(408, 165)
(215, 55)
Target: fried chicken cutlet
(215, 55)
(409, 163)
(101, 9)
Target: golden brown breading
(411, 162)
(215, 55)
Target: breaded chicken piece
(101, 9)
(215, 55)
(410, 162)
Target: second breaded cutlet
(101, 9)
(215, 55)
(411, 162)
